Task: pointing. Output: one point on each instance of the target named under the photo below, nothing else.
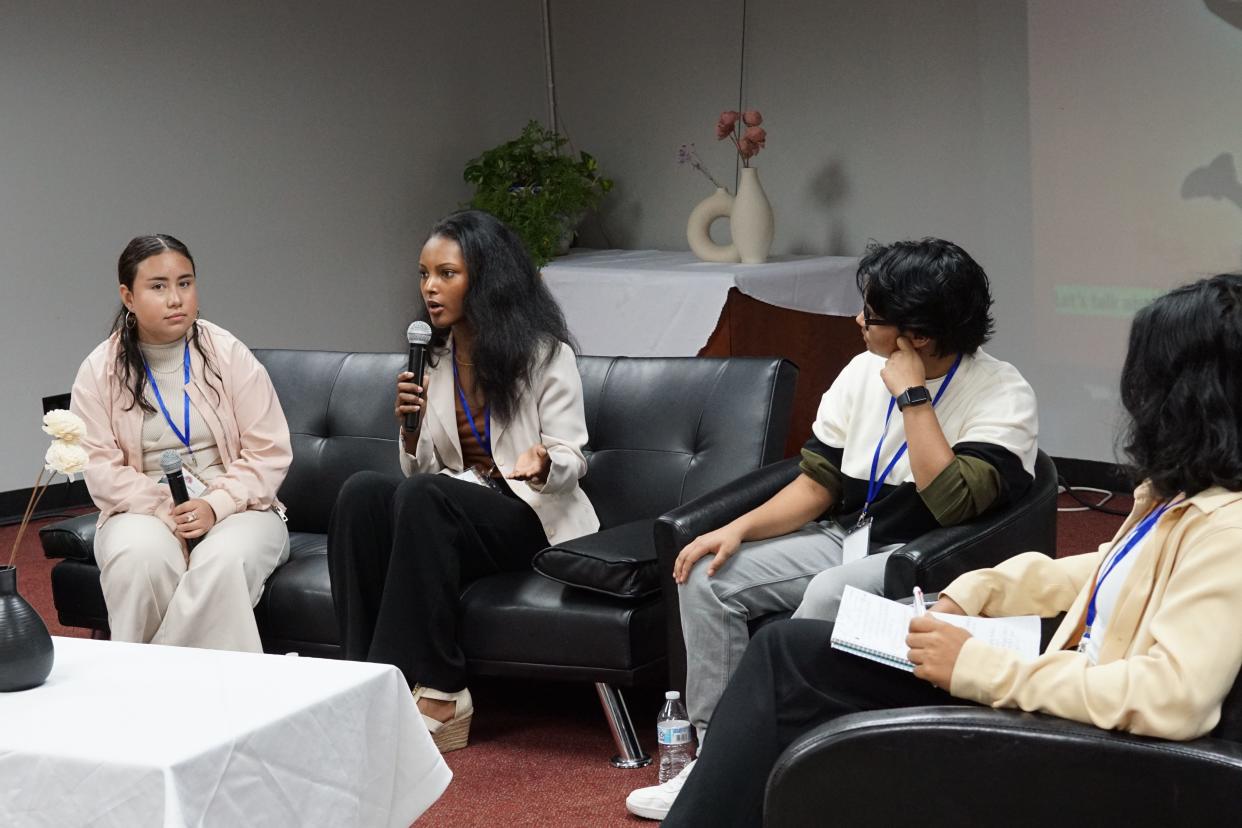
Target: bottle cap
(672, 694)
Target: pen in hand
(919, 609)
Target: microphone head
(170, 461)
(419, 333)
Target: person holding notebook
(921, 430)
(1130, 654)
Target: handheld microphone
(418, 335)
(170, 462)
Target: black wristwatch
(917, 395)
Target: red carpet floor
(538, 753)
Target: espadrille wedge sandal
(454, 733)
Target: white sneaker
(654, 802)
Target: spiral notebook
(874, 627)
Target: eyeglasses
(869, 320)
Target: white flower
(65, 457)
(64, 425)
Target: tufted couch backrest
(340, 412)
(662, 430)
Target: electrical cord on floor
(1084, 505)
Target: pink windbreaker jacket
(241, 410)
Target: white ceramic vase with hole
(752, 223)
(698, 228)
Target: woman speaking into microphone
(166, 381)
(491, 467)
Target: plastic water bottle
(673, 735)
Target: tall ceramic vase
(25, 646)
(752, 223)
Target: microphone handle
(415, 366)
(176, 485)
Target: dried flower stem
(740, 154)
(36, 494)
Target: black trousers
(789, 681)
(400, 550)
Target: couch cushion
(520, 618)
(296, 606)
(620, 561)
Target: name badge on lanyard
(858, 538)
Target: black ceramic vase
(25, 645)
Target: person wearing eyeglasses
(921, 430)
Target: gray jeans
(763, 577)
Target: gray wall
(303, 148)
(1064, 143)
(300, 149)
(886, 119)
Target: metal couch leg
(630, 752)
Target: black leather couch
(662, 432)
(930, 562)
(944, 767)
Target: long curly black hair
(517, 323)
(1181, 387)
(129, 363)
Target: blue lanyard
(874, 485)
(1135, 536)
(486, 440)
(155, 388)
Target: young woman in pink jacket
(189, 574)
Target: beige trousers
(154, 596)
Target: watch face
(914, 396)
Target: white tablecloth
(141, 735)
(661, 303)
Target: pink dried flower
(749, 140)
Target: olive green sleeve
(820, 469)
(965, 489)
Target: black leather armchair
(662, 431)
(931, 561)
(954, 766)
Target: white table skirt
(661, 303)
(142, 735)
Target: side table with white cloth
(139, 734)
(669, 303)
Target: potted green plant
(538, 190)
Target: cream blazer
(246, 421)
(1173, 644)
(551, 412)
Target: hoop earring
(130, 320)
